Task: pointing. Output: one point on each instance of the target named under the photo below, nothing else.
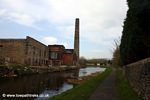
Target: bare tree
(82, 61)
(116, 53)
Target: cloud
(2, 12)
(23, 12)
(50, 40)
(22, 19)
(57, 11)
(53, 40)
(97, 54)
(100, 20)
(65, 44)
(66, 31)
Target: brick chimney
(76, 39)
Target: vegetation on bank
(20, 70)
(14, 70)
(124, 90)
(84, 90)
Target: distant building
(69, 57)
(23, 51)
(58, 56)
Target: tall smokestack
(76, 39)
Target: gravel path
(106, 90)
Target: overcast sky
(52, 22)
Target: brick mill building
(58, 55)
(34, 53)
(23, 51)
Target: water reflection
(49, 84)
(50, 93)
(52, 83)
(90, 70)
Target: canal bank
(84, 90)
(21, 70)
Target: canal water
(41, 86)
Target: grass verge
(124, 90)
(84, 90)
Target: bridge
(97, 62)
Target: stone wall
(138, 75)
(37, 53)
(23, 51)
(12, 50)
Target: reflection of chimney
(76, 39)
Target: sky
(53, 22)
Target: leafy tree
(135, 41)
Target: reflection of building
(23, 51)
(35, 84)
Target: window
(54, 55)
(1, 45)
(44, 53)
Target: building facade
(58, 56)
(23, 51)
(69, 57)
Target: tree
(116, 54)
(82, 62)
(135, 41)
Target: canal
(41, 86)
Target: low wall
(138, 75)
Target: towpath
(106, 90)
